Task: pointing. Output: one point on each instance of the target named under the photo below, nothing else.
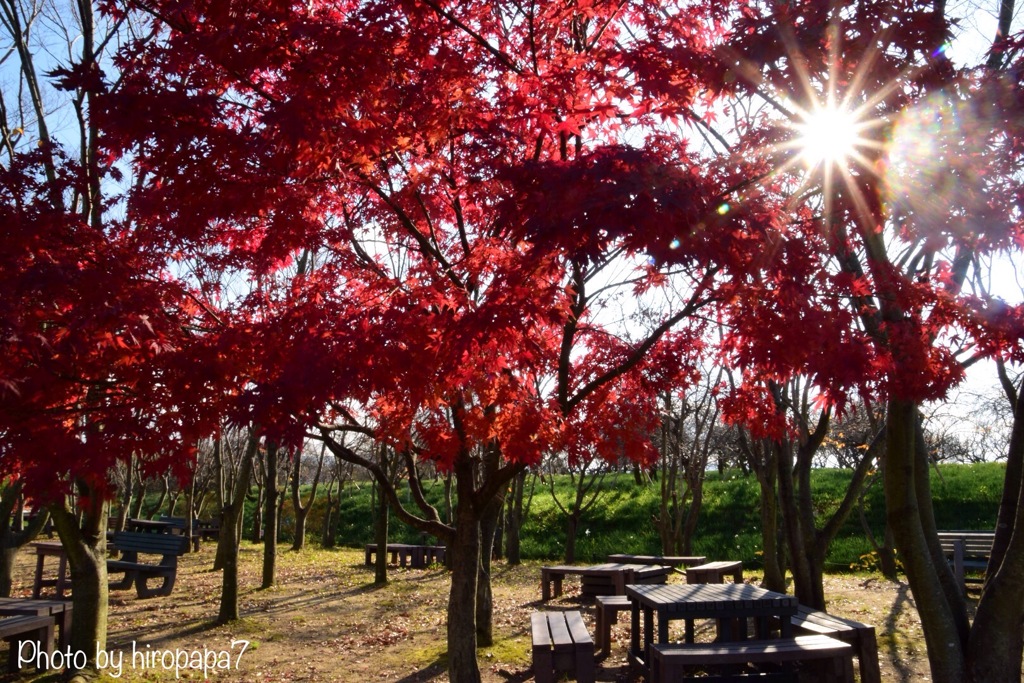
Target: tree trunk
(327, 529)
(270, 519)
(514, 520)
(449, 509)
(773, 550)
(85, 543)
(484, 596)
(172, 503)
(670, 507)
(465, 550)
(7, 557)
(127, 496)
(1009, 504)
(165, 490)
(230, 528)
(302, 511)
(799, 560)
(994, 650)
(220, 472)
(944, 639)
(380, 536)
(12, 536)
(572, 523)
(136, 509)
(689, 525)
(260, 478)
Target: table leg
(37, 586)
(649, 634)
(786, 627)
(62, 571)
(634, 630)
(662, 629)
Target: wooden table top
(679, 600)
(48, 547)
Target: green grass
(965, 497)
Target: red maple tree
(472, 181)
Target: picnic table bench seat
(664, 560)
(21, 629)
(561, 643)
(715, 572)
(131, 544)
(859, 636)
(607, 608)
(676, 662)
(967, 550)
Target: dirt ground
(326, 621)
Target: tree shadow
(434, 671)
(899, 605)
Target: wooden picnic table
(728, 603)
(600, 579)
(154, 526)
(715, 572)
(416, 556)
(59, 610)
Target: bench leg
(585, 662)
(603, 635)
(164, 588)
(43, 637)
(867, 656)
(124, 584)
(64, 622)
(543, 665)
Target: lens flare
(828, 135)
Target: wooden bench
(131, 543)
(967, 550)
(715, 572)
(607, 608)
(561, 643)
(674, 662)
(859, 636)
(18, 630)
(664, 560)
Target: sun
(829, 135)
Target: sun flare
(828, 135)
